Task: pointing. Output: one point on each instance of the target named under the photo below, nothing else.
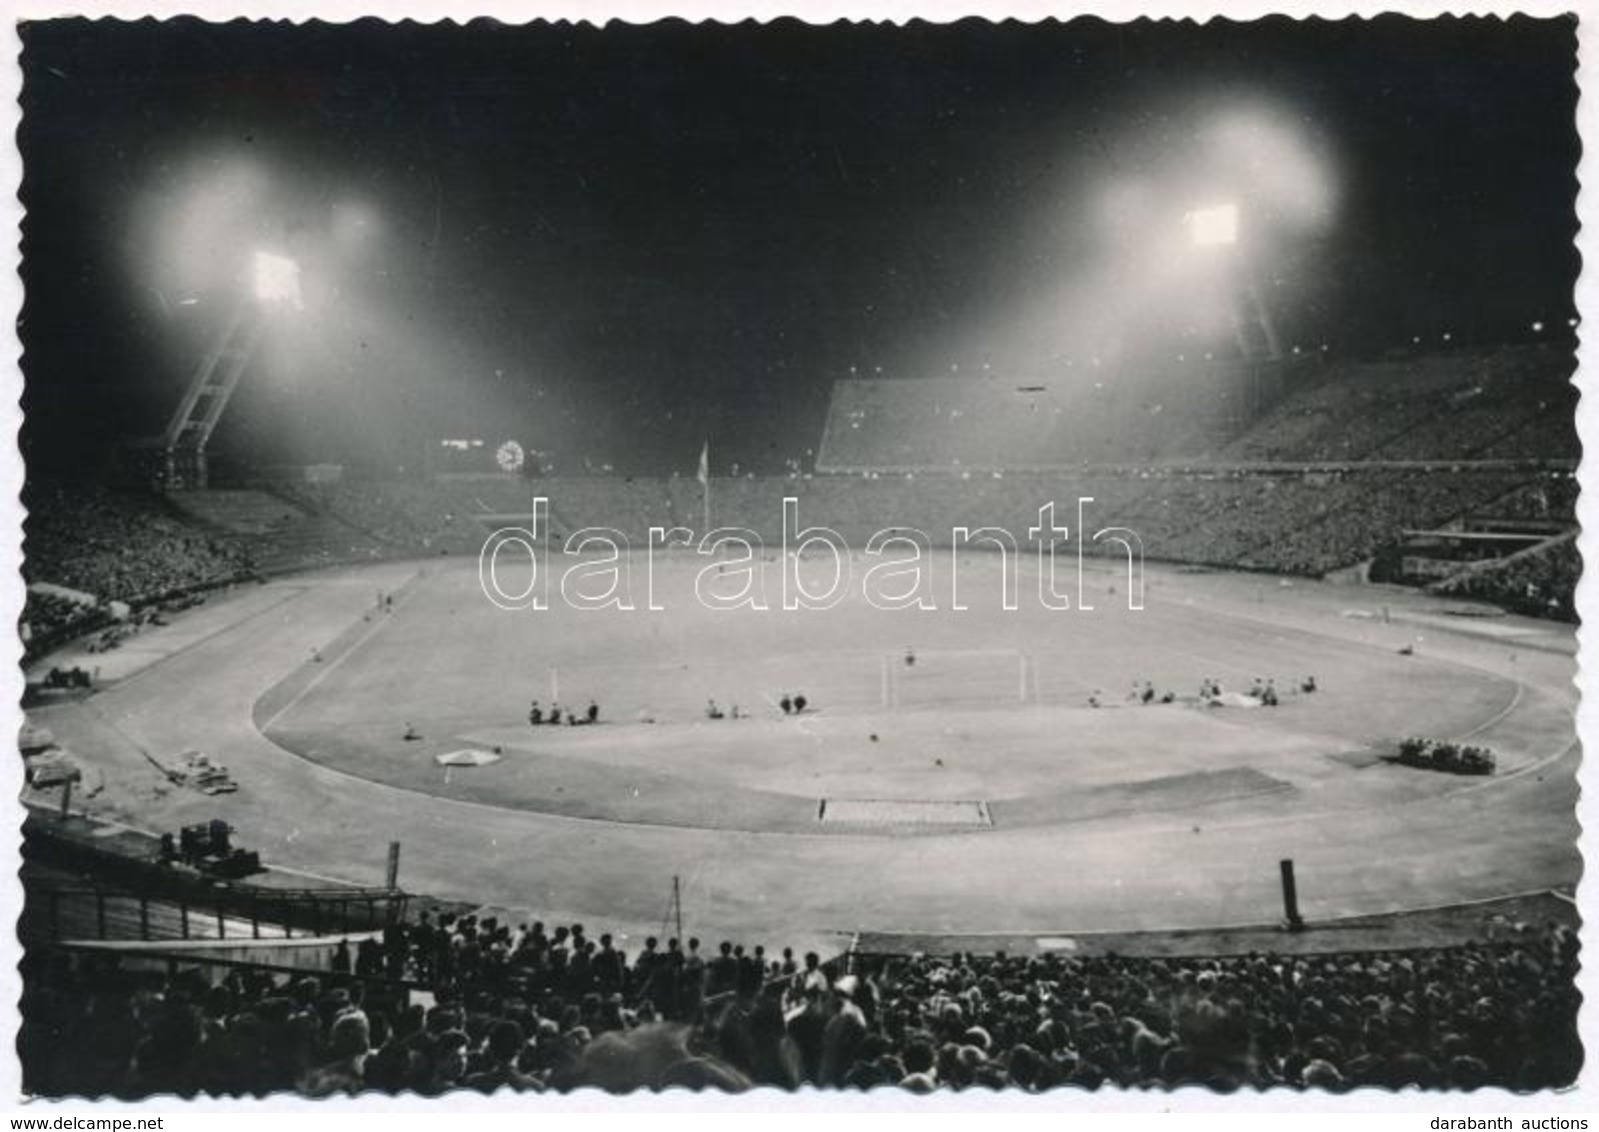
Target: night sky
(613, 243)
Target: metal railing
(52, 913)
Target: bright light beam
(277, 280)
(1214, 226)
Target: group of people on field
(537, 716)
(1263, 690)
(790, 704)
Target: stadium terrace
(602, 564)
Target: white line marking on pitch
(329, 667)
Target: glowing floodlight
(1216, 226)
(277, 279)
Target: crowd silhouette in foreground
(514, 1007)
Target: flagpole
(705, 482)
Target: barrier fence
(52, 913)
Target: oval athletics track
(1366, 838)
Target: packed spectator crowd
(121, 546)
(1301, 524)
(110, 549)
(513, 1006)
(1370, 511)
(131, 548)
(410, 515)
(1540, 583)
(1511, 402)
(1476, 404)
(136, 549)
(1551, 497)
(1214, 506)
(48, 617)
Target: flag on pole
(704, 477)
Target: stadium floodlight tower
(275, 284)
(1215, 229)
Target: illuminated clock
(510, 457)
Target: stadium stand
(1506, 403)
(48, 617)
(97, 560)
(403, 516)
(283, 533)
(237, 511)
(1336, 463)
(1348, 458)
(515, 1007)
(121, 547)
(1540, 581)
(1109, 415)
(144, 551)
(1446, 407)
(1549, 498)
(1306, 522)
(139, 549)
(1297, 521)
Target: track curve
(1429, 843)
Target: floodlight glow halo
(276, 280)
(1213, 226)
